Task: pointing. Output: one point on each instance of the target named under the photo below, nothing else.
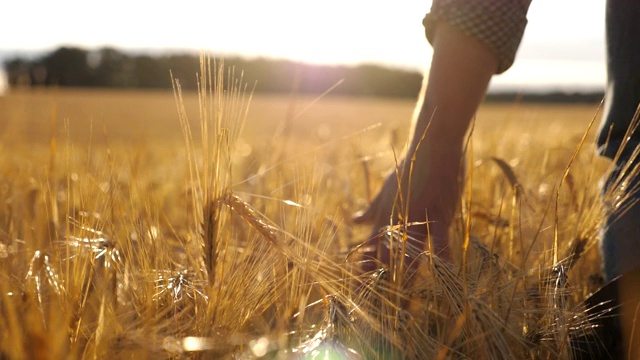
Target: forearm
(465, 57)
(459, 75)
(458, 79)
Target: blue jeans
(620, 235)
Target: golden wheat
(230, 246)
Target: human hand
(413, 209)
(379, 214)
(398, 216)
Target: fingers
(380, 205)
(370, 214)
(363, 216)
(375, 254)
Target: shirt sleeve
(499, 24)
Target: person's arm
(460, 72)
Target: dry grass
(131, 229)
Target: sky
(563, 45)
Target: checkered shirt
(498, 24)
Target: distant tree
(373, 80)
(184, 67)
(67, 67)
(151, 72)
(111, 68)
(18, 72)
(108, 67)
(318, 79)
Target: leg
(617, 140)
(620, 240)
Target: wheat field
(218, 225)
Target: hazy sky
(563, 44)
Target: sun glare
(330, 32)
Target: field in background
(116, 163)
(151, 116)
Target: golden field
(140, 225)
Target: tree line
(109, 67)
